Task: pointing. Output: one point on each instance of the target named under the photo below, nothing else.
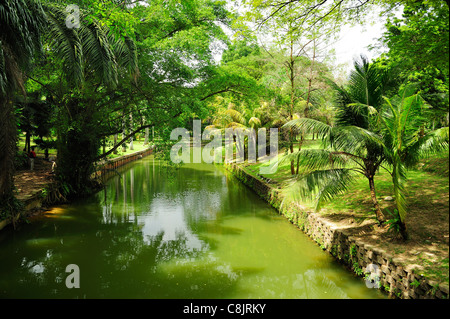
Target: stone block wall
(365, 260)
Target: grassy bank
(427, 219)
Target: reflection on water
(155, 232)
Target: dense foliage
(81, 75)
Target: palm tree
(407, 141)
(347, 151)
(92, 57)
(20, 22)
(89, 52)
(232, 118)
(353, 145)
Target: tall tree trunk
(27, 147)
(291, 111)
(376, 205)
(147, 132)
(8, 148)
(115, 143)
(311, 71)
(131, 130)
(291, 148)
(299, 149)
(124, 133)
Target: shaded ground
(427, 250)
(28, 181)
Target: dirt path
(28, 181)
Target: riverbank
(31, 184)
(408, 275)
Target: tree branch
(143, 127)
(219, 92)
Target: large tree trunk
(380, 216)
(77, 152)
(291, 148)
(27, 147)
(7, 147)
(300, 144)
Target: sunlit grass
(420, 185)
(138, 145)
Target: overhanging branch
(143, 127)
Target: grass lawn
(283, 173)
(138, 145)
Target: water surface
(155, 232)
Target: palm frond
(254, 122)
(314, 159)
(428, 145)
(356, 140)
(98, 52)
(20, 38)
(319, 186)
(309, 126)
(399, 181)
(67, 44)
(236, 116)
(125, 52)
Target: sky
(353, 41)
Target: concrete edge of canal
(362, 258)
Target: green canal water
(195, 232)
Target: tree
(418, 44)
(334, 12)
(297, 44)
(406, 141)
(92, 61)
(21, 22)
(354, 139)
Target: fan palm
(20, 22)
(353, 146)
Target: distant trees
(352, 139)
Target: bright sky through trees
(353, 40)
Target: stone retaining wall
(365, 260)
